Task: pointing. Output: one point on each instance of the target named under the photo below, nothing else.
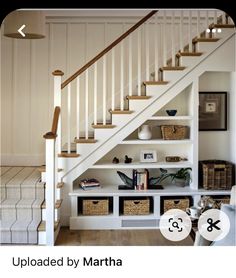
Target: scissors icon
(212, 224)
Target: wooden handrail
(53, 133)
(103, 52)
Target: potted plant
(181, 178)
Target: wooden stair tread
(42, 169)
(42, 226)
(138, 97)
(222, 26)
(155, 82)
(100, 125)
(60, 184)
(205, 40)
(117, 111)
(188, 54)
(83, 140)
(68, 155)
(172, 68)
(57, 204)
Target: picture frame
(212, 111)
(148, 156)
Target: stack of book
(87, 184)
(140, 179)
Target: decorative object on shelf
(175, 158)
(180, 178)
(140, 179)
(173, 132)
(212, 111)
(144, 132)
(194, 212)
(148, 156)
(216, 174)
(128, 159)
(171, 112)
(115, 160)
(153, 183)
(208, 202)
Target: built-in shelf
(169, 190)
(156, 141)
(171, 118)
(140, 165)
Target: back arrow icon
(20, 30)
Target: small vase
(144, 132)
(180, 182)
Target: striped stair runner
(22, 196)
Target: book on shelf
(87, 184)
(140, 179)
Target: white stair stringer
(219, 58)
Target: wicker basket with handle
(173, 132)
(95, 207)
(137, 207)
(178, 203)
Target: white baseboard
(22, 159)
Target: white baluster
(68, 117)
(78, 107)
(122, 75)
(156, 58)
(113, 79)
(95, 90)
(207, 19)
(190, 31)
(215, 16)
(147, 50)
(164, 38)
(139, 62)
(57, 102)
(130, 65)
(50, 191)
(198, 23)
(181, 31)
(86, 104)
(173, 39)
(104, 89)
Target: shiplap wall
(27, 82)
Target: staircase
(158, 57)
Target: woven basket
(95, 207)
(173, 132)
(219, 201)
(216, 174)
(136, 207)
(176, 204)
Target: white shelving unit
(187, 105)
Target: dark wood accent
(205, 40)
(68, 155)
(53, 133)
(138, 97)
(103, 52)
(83, 140)
(42, 169)
(222, 26)
(100, 125)
(57, 204)
(155, 82)
(172, 68)
(120, 112)
(188, 54)
(42, 226)
(57, 72)
(60, 184)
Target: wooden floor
(116, 238)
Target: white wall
(218, 144)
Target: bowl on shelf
(171, 112)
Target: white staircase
(147, 81)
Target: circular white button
(213, 224)
(175, 224)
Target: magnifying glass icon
(175, 225)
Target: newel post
(50, 188)
(57, 102)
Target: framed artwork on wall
(212, 111)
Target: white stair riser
(156, 90)
(172, 74)
(188, 61)
(138, 105)
(24, 214)
(121, 119)
(104, 133)
(205, 47)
